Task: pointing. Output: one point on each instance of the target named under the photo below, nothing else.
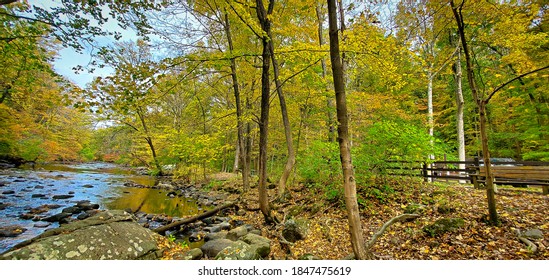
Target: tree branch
(163, 229)
(382, 230)
(512, 80)
(5, 2)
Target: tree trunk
(281, 192)
(351, 204)
(481, 104)
(459, 112)
(431, 121)
(149, 141)
(241, 147)
(263, 16)
(329, 101)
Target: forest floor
(328, 236)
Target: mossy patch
(444, 225)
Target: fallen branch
(163, 229)
(381, 231)
(531, 246)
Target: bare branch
(382, 230)
(512, 80)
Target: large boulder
(239, 250)
(235, 233)
(213, 247)
(261, 245)
(107, 235)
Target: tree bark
(263, 16)
(460, 104)
(349, 183)
(281, 191)
(329, 101)
(241, 147)
(481, 104)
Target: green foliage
(393, 140)
(320, 163)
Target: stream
(63, 185)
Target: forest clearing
(280, 123)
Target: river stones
(239, 250)
(213, 247)
(62, 196)
(8, 192)
(236, 233)
(87, 186)
(57, 217)
(11, 231)
(38, 195)
(3, 206)
(72, 210)
(216, 235)
(41, 224)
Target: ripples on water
(60, 179)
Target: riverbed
(63, 185)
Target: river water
(100, 183)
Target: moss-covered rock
(295, 229)
(415, 208)
(443, 225)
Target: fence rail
(519, 173)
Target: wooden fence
(519, 173)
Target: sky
(68, 58)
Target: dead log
(163, 229)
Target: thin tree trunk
(281, 191)
(351, 204)
(481, 104)
(431, 121)
(263, 16)
(329, 101)
(149, 141)
(241, 147)
(460, 103)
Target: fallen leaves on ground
(328, 236)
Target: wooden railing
(520, 173)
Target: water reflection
(153, 201)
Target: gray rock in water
(38, 195)
(62, 196)
(41, 224)
(87, 186)
(110, 235)
(239, 250)
(213, 247)
(57, 217)
(533, 234)
(72, 210)
(11, 231)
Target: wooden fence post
(424, 172)
(476, 168)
